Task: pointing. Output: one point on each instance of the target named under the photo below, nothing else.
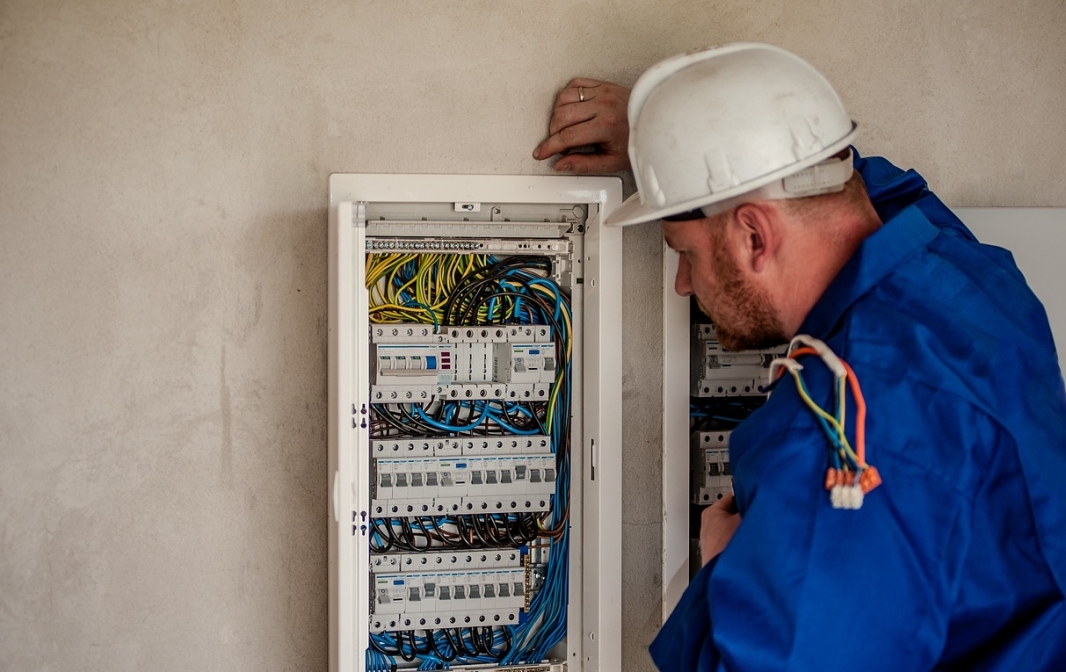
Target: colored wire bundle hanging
(848, 477)
(454, 290)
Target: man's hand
(599, 121)
(718, 524)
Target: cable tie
(827, 355)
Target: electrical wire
(458, 290)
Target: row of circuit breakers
(450, 589)
(414, 364)
(470, 474)
(417, 477)
(718, 375)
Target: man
(958, 559)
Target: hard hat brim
(633, 211)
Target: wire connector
(869, 479)
(847, 492)
(846, 497)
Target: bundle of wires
(715, 413)
(421, 533)
(476, 418)
(848, 477)
(453, 290)
(438, 649)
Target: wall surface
(163, 171)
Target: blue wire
(447, 428)
(546, 620)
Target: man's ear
(756, 235)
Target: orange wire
(860, 420)
(795, 353)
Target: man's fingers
(585, 82)
(590, 163)
(569, 96)
(570, 115)
(568, 138)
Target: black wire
(460, 525)
(436, 649)
(398, 540)
(418, 426)
(455, 647)
(425, 534)
(445, 539)
(381, 411)
(462, 643)
(409, 657)
(475, 640)
(504, 524)
(408, 533)
(414, 644)
(469, 293)
(390, 540)
(477, 532)
(479, 634)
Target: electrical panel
(474, 385)
(724, 387)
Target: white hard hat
(715, 128)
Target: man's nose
(683, 282)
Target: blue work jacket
(958, 560)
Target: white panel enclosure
(470, 469)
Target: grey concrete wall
(163, 266)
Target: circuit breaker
(474, 437)
(717, 372)
(712, 477)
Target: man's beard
(746, 319)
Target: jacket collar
(876, 257)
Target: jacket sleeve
(804, 586)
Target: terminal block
(717, 372)
(464, 445)
(712, 477)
